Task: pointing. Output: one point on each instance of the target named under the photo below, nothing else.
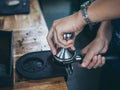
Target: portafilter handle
(110, 58)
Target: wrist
(84, 11)
(81, 19)
(105, 30)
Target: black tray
(6, 59)
(22, 8)
(39, 65)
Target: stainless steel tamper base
(67, 62)
(66, 57)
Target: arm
(101, 10)
(98, 11)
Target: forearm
(101, 10)
(98, 46)
(105, 30)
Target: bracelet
(85, 15)
(84, 8)
(86, 4)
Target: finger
(99, 61)
(71, 45)
(50, 41)
(104, 50)
(103, 62)
(55, 38)
(92, 63)
(87, 59)
(65, 43)
(84, 50)
(62, 41)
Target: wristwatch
(84, 8)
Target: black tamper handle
(113, 58)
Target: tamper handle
(68, 36)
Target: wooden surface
(30, 35)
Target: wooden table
(30, 35)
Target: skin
(98, 46)
(102, 10)
(67, 24)
(98, 11)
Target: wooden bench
(30, 33)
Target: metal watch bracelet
(84, 8)
(85, 16)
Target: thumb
(72, 47)
(104, 50)
(87, 59)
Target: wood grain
(30, 33)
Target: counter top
(30, 31)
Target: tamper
(65, 56)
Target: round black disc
(32, 65)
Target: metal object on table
(66, 56)
(12, 2)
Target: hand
(99, 45)
(70, 24)
(93, 51)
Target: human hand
(93, 51)
(70, 24)
(98, 46)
